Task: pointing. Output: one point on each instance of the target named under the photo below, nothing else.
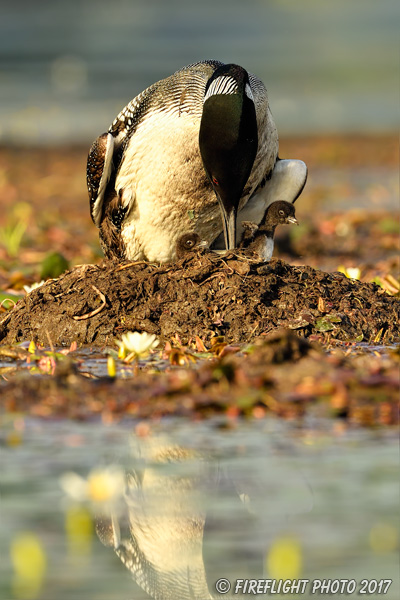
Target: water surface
(66, 69)
(265, 499)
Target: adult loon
(197, 145)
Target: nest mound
(203, 294)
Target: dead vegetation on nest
(204, 295)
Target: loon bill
(190, 149)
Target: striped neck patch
(222, 85)
(225, 84)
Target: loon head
(228, 140)
(188, 243)
(279, 213)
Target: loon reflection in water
(189, 519)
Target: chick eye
(281, 212)
(189, 243)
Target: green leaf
(333, 318)
(11, 237)
(8, 300)
(53, 265)
(324, 324)
(389, 225)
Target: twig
(219, 274)
(96, 310)
(50, 342)
(132, 264)
(227, 266)
(7, 317)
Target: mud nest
(204, 294)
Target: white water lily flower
(353, 272)
(137, 344)
(350, 272)
(101, 485)
(29, 288)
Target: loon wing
(286, 183)
(170, 95)
(106, 151)
(98, 172)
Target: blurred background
(332, 73)
(67, 68)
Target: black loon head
(228, 140)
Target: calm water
(67, 68)
(203, 503)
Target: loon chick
(249, 230)
(188, 243)
(196, 145)
(278, 213)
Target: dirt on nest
(204, 294)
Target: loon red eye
(215, 181)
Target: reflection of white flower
(137, 344)
(101, 486)
(29, 288)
